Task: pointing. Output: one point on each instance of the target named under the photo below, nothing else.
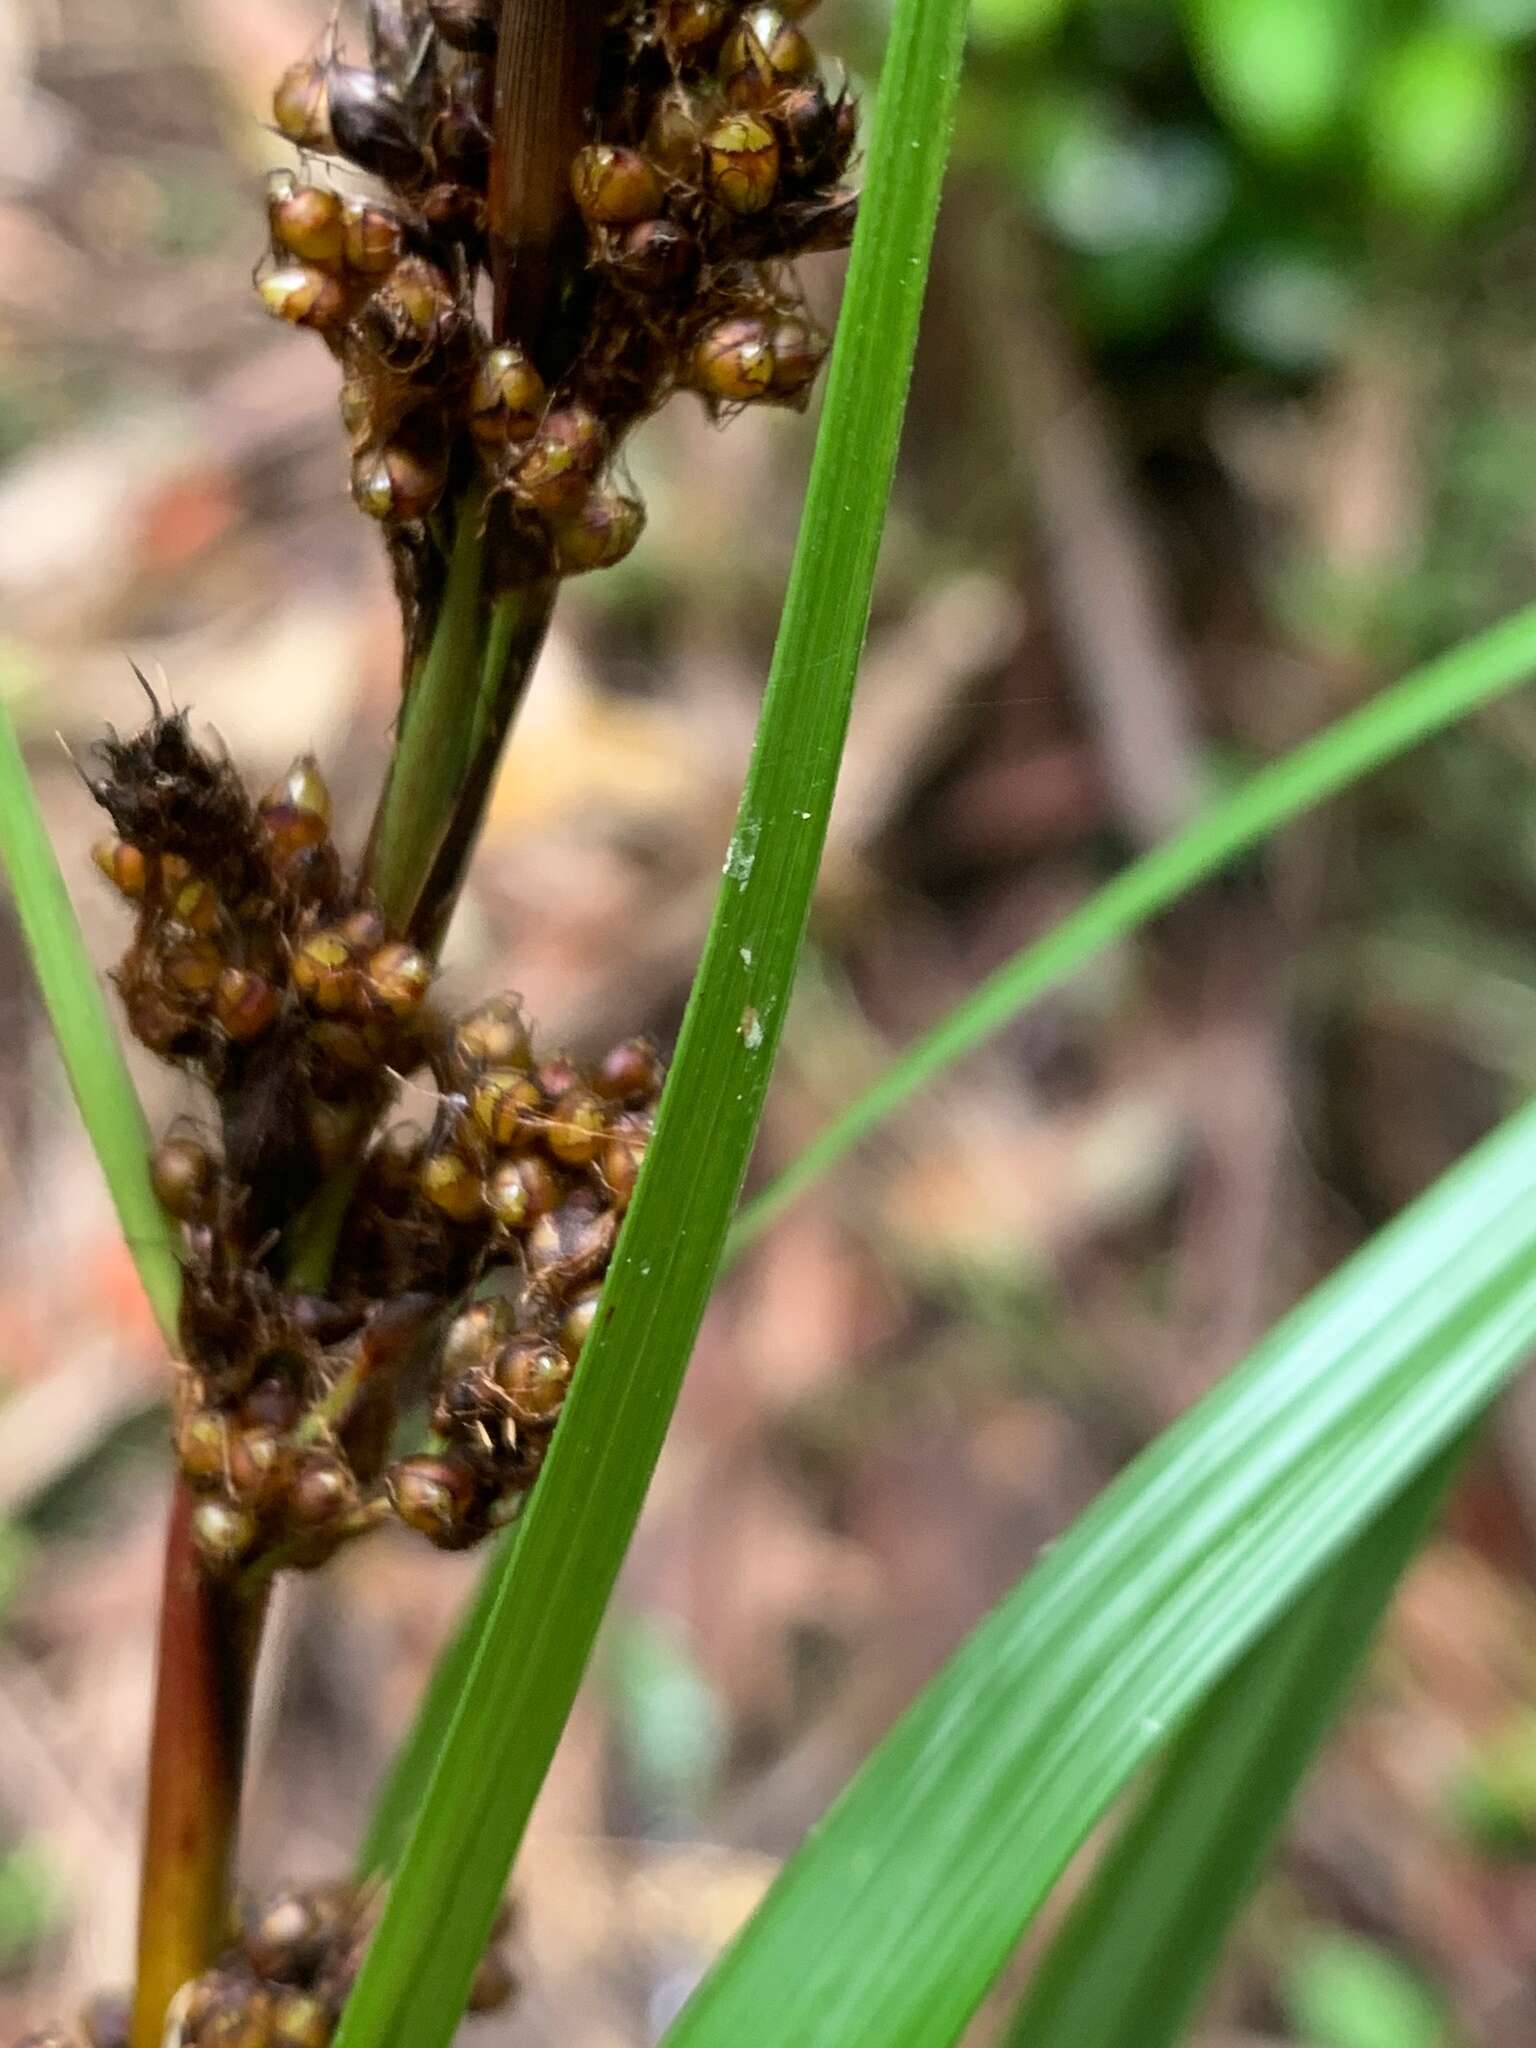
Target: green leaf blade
(1129, 1964)
(92, 1055)
(1426, 702)
(546, 1596)
(889, 1924)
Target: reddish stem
(207, 1653)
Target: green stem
(459, 705)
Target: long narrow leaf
(550, 1592)
(893, 1918)
(1399, 718)
(1423, 703)
(1132, 1958)
(93, 1058)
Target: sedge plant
(571, 212)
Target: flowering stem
(207, 1651)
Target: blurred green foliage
(1247, 165)
(1342, 1992)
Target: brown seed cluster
(715, 155)
(283, 1984)
(470, 1247)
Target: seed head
(532, 1378)
(399, 483)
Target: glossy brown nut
(743, 157)
(452, 1186)
(601, 532)
(732, 361)
(303, 295)
(183, 1175)
(202, 1445)
(532, 1378)
(306, 222)
(399, 483)
(576, 1128)
(653, 255)
(764, 54)
(302, 788)
(556, 473)
(372, 237)
(300, 107)
(194, 968)
(223, 1532)
(799, 350)
(410, 314)
(320, 1490)
(630, 1071)
(506, 1104)
(619, 1165)
(435, 1496)
(507, 397)
(519, 1191)
(579, 1322)
(614, 186)
(195, 907)
(246, 1005)
(473, 1335)
(494, 1035)
(259, 1465)
(692, 25)
(399, 977)
(323, 974)
(123, 865)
